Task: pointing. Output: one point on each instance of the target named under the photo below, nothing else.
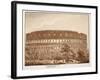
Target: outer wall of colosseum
(55, 47)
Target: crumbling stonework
(55, 47)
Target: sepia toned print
(56, 38)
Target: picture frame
(40, 47)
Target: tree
(68, 53)
(82, 57)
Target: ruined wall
(49, 45)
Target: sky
(42, 20)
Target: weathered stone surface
(55, 47)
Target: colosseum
(55, 47)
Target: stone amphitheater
(55, 47)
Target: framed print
(50, 39)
